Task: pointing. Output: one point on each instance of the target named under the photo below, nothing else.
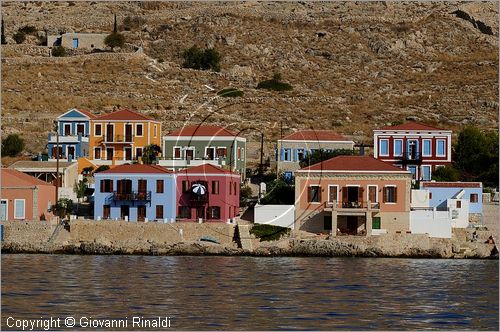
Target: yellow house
(119, 138)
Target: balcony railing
(411, 157)
(199, 198)
(118, 139)
(132, 196)
(354, 205)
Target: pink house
(207, 192)
(25, 197)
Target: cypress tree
(3, 34)
(115, 30)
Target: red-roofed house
(413, 146)
(204, 144)
(292, 148)
(135, 192)
(25, 197)
(120, 137)
(207, 192)
(354, 195)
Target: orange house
(25, 197)
(119, 138)
(356, 195)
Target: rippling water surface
(256, 293)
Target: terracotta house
(413, 146)
(207, 192)
(24, 197)
(352, 195)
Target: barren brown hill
(354, 66)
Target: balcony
(199, 198)
(352, 207)
(132, 196)
(411, 157)
(118, 139)
(182, 163)
(67, 139)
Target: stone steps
(245, 237)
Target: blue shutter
(296, 155)
(282, 154)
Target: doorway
(125, 212)
(71, 152)
(110, 133)
(110, 153)
(352, 225)
(210, 155)
(128, 153)
(128, 133)
(412, 150)
(141, 213)
(200, 212)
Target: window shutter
(344, 194)
(319, 193)
(309, 194)
(395, 194)
(385, 194)
(282, 154)
(360, 194)
(102, 186)
(296, 155)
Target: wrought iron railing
(132, 196)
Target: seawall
(113, 237)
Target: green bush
(115, 39)
(201, 59)
(19, 37)
(269, 232)
(447, 173)
(245, 195)
(58, 51)
(230, 92)
(274, 84)
(12, 145)
(101, 168)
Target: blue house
(74, 129)
(135, 192)
(440, 192)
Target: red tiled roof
(87, 113)
(202, 130)
(124, 114)
(14, 178)
(137, 169)
(353, 163)
(205, 169)
(315, 135)
(451, 184)
(410, 126)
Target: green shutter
(376, 223)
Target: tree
(279, 191)
(115, 30)
(447, 173)
(245, 195)
(201, 59)
(149, 153)
(4, 41)
(274, 84)
(320, 155)
(58, 51)
(115, 39)
(101, 168)
(12, 145)
(79, 188)
(64, 207)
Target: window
(177, 153)
(106, 211)
(215, 187)
(97, 129)
(159, 186)
(67, 129)
(138, 129)
(398, 147)
(287, 155)
(473, 198)
(97, 153)
(384, 147)
(159, 212)
(459, 204)
(314, 194)
(372, 194)
(332, 193)
(189, 153)
(230, 188)
(185, 186)
(142, 185)
(300, 154)
(234, 188)
(154, 130)
(427, 148)
(107, 186)
(214, 212)
(441, 143)
(184, 212)
(221, 152)
(80, 129)
(390, 194)
(138, 153)
(426, 173)
(430, 195)
(239, 153)
(19, 208)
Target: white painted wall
(419, 198)
(459, 216)
(434, 223)
(277, 215)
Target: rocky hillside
(353, 66)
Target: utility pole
(261, 153)
(57, 162)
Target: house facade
(442, 194)
(207, 192)
(198, 145)
(293, 148)
(78, 40)
(73, 128)
(413, 146)
(24, 197)
(135, 193)
(120, 137)
(352, 195)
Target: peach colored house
(352, 195)
(24, 197)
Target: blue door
(3, 210)
(413, 171)
(75, 43)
